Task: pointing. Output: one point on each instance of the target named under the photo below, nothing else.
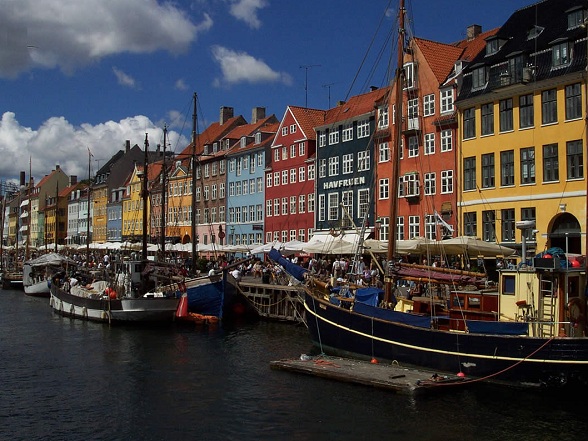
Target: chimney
(473, 31)
(22, 179)
(226, 113)
(128, 146)
(372, 88)
(257, 114)
(73, 180)
(57, 167)
(340, 103)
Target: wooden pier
(392, 377)
(275, 302)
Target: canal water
(64, 379)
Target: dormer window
(479, 77)
(492, 46)
(227, 144)
(534, 32)
(576, 17)
(206, 148)
(215, 147)
(258, 138)
(243, 141)
(561, 53)
(409, 76)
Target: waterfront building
(522, 138)
(290, 175)
(247, 158)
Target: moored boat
(38, 272)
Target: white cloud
(180, 84)
(45, 33)
(246, 10)
(124, 79)
(240, 67)
(57, 141)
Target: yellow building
(132, 218)
(523, 133)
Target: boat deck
(395, 378)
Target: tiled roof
(308, 119)
(356, 106)
(440, 57)
(471, 48)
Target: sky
(80, 77)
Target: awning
(25, 202)
(23, 228)
(24, 214)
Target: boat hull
(143, 309)
(39, 289)
(518, 360)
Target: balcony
(410, 125)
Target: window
(507, 168)
(487, 119)
(446, 96)
(414, 226)
(412, 108)
(479, 77)
(284, 152)
(284, 131)
(526, 111)
(333, 206)
(302, 149)
(508, 225)
(322, 137)
(430, 184)
(333, 136)
(245, 162)
(301, 174)
(301, 203)
(506, 119)
(446, 181)
(383, 152)
(348, 163)
(284, 177)
(549, 106)
(293, 128)
(492, 46)
(268, 208)
(322, 168)
(347, 134)
(469, 123)
(383, 117)
(488, 170)
(573, 101)
(259, 183)
(363, 203)
(576, 18)
(470, 224)
(284, 206)
(214, 192)
(310, 172)
(489, 226)
(251, 186)
(429, 105)
(268, 180)
(292, 204)
(410, 185)
(515, 70)
(469, 173)
(528, 214)
(293, 172)
(561, 55)
(400, 228)
(430, 227)
(528, 165)
(311, 203)
(550, 163)
(413, 147)
(333, 166)
(276, 207)
(363, 129)
(363, 160)
(346, 206)
(429, 144)
(384, 188)
(276, 179)
(575, 159)
(409, 76)
(446, 140)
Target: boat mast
(193, 223)
(88, 210)
(163, 194)
(396, 145)
(144, 195)
(29, 214)
(56, 214)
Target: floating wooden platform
(401, 380)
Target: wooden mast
(163, 195)
(88, 209)
(194, 211)
(56, 214)
(144, 195)
(395, 154)
(29, 212)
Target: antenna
(328, 86)
(306, 67)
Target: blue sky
(99, 72)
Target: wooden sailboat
(127, 297)
(529, 330)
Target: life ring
(576, 310)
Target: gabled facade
(77, 216)
(344, 166)
(132, 203)
(522, 110)
(290, 175)
(246, 163)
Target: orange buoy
(461, 375)
(374, 360)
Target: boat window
(458, 301)
(474, 302)
(508, 285)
